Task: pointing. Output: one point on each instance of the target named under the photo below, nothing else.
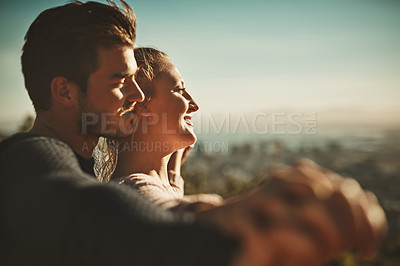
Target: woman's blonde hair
(151, 62)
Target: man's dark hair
(64, 41)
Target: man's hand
(303, 215)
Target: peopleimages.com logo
(276, 123)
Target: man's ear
(64, 92)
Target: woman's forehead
(172, 75)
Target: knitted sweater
(168, 195)
(52, 213)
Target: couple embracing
(79, 59)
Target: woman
(296, 224)
(164, 127)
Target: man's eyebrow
(122, 75)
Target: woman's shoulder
(137, 179)
(149, 186)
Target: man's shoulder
(14, 139)
(30, 140)
(27, 147)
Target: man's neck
(67, 132)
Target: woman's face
(170, 111)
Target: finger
(317, 179)
(296, 207)
(311, 164)
(293, 247)
(311, 218)
(305, 175)
(358, 215)
(186, 152)
(298, 190)
(329, 174)
(175, 162)
(172, 159)
(375, 222)
(256, 248)
(268, 229)
(315, 220)
(362, 219)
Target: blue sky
(338, 58)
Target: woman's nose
(193, 107)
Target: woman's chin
(191, 139)
(185, 141)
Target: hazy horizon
(339, 59)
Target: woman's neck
(143, 158)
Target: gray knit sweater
(52, 213)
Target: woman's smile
(188, 120)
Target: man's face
(111, 94)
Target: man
(79, 70)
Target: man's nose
(135, 93)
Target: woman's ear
(64, 92)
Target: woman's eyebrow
(178, 83)
(178, 86)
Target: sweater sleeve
(167, 196)
(153, 189)
(54, 214)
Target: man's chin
(114, 133)
(118, 135)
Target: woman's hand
(178, 158)
(174, 167)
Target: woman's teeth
(188, 120)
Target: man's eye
(181, 90)
(121, 83)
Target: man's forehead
(117, 61)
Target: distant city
(229, 164)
